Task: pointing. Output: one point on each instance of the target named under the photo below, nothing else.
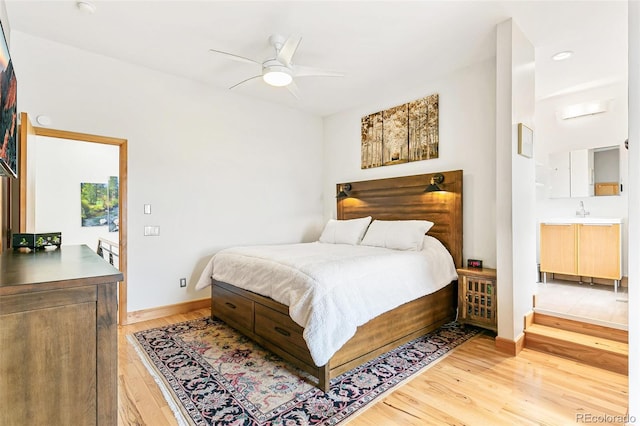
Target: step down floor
(597, 351)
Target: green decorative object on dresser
(37, 241)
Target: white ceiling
(383, 47)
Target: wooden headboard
(403, 198)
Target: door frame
(27, 129)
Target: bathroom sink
(580, 219)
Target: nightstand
(477, 297)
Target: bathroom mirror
(591, 172)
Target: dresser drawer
(281, 330)
(232, 308)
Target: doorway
(26, 219)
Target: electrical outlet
(183, 282)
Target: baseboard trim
(528, 319)
(510, 347)
(164, 311)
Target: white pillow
(431, 244)
(345, 231)
(397, 234)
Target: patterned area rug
(212, 375)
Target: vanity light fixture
(436, 179)
(585, 108)
(345, 191)
(561, 56)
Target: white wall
(634, 210)
(515, 180)
(467, 142)
(218, 169)
(62, 165)
(556, 135)
(6, 25)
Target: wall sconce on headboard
(436, 179)
(345, 191)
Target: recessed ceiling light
(561, 56)
(43, 120)
(86, 7)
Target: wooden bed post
(324, 377)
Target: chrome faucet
(582, 212)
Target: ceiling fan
(280, 71)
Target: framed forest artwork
(100, 204)
(404, 133)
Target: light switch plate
(151, 231)
(147, 209)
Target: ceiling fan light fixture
(277, 75)
(278, 70)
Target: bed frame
(268, 323)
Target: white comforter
(331, 289)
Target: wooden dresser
(58, 338)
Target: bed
(270, 321)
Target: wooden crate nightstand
(477, 297)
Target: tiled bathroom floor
(591, 302)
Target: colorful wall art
(8, 112)
(99, 204)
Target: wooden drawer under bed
(269, 325)
(279, 329)
(232, 308)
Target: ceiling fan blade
(293, 89)
(244, 81)
(288, 49)
(304, 71)
(236, 57)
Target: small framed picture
(525, 141)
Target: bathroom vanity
(583, 247)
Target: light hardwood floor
(473, 385)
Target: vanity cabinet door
(599, 251)
(558, 248)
